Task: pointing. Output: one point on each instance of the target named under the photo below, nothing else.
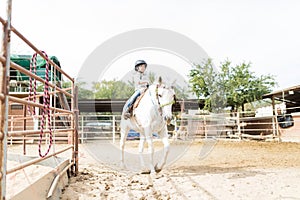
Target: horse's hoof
(145, 172)
(123, 166)
(157, 170)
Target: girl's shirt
(141, 80)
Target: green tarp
(24, 61)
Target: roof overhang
(290, 95)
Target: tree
(233, 86)
(112, 90)
(243, 86)
(205, 85)
(152, 77)
(84, 92)
(180, 91)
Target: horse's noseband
(162, 105)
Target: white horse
(152, 115)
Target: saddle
(137, 101)
(135, 105)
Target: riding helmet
(138, 63)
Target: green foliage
(233, 86)
(84, 92)
(152, 78)
(206, 85)
(66, 84)
(181, 92)
(112, 90)
(105, 90)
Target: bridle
(157, 98)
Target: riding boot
(129, 104)
(127, 113)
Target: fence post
(205, 129)
(24, 128)
(76, 120)
(238, 125)
(82, 133)
(278, 132)
(11, 128)
(175, 128)
(114, 128)
(4, 88)
(273, 126)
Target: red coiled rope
(32, 70)
(46, 102)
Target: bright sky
(265, 33)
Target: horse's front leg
(159, 166)
(124, 132)
(141, 150)
(148, 135)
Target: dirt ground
(232, 170)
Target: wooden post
(175, 120)
(205, 130)
(273, 105)
(278, 134)
(238, 125)
(76, 120)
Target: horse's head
(166, 98)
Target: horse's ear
(160, 80)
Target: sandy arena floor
(232, 170)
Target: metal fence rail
(24, 127)
(221, 125)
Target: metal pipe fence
(18, 123)
(217, 126)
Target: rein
(161, 105)
(166, 104)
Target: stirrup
(127, 115)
